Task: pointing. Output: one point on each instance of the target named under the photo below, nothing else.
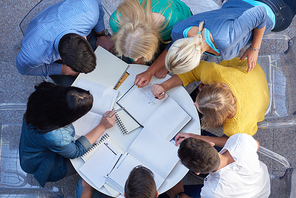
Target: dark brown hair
(140, 184)
(199, 156)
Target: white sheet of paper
(86, 123)
(99, 164)
(104, 97)
(155, 152)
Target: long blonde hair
(184, 54)
(217, 103)
(138, 35)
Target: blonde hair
(138, 35)
(216, 102)
(184, 54)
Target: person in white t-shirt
(233, 172)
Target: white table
(180, 95)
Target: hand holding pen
(158, 91)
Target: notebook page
(140, 102)
(104, 97)
(108, 71)
(120, 173)
(86, 123)
(155, 152)
(99, 164)
(175, 119)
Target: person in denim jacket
(47, 140)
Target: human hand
(66, 70)
(161, 73)
(143, 78)
(108, 120)
(252, 57)
(181, 136)
(158, 91)
(105, 42)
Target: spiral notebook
(125, 121)
(95, 147)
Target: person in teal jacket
(140, 25)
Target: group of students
(60, 41)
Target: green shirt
(176, 12)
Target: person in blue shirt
(224, 33)
(47, 139)
(55, 40)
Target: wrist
(254, 49)
(103, 33)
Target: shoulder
(61, 136)
(241, 142)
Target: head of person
(184, 55)
(53, 106)
(140, 184)
(136, 41)
(217, 103)
(77, 53)
(198, 156)
(138, 35)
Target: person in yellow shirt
(229, 96)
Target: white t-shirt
(245, 177)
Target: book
(100, 163)
(148, 111)
(149, 149)
(109, 69)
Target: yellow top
(250, 90)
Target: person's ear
(85, 37)
(156, 194)
(212, 143)
(124, 194)
(197, 173)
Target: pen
(115, 111)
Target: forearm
(218, 141)
(171, 83)
(158, 63)
(94, 134)
(257, 38)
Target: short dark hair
(77, 53)
(53, 106)
(199, 156)
(140, 184)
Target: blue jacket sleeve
(73, 149)
(100, 26)
(28, 65)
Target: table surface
(180, 95)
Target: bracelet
(254, 49)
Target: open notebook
(100, 163)
(104, 100)
(109, 69)
(149, 149)
(150, 112)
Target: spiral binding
(120, 124)
(103, 138)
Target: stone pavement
(16, 88)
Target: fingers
(158, 91)
(140, 81)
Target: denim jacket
(44, 154)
